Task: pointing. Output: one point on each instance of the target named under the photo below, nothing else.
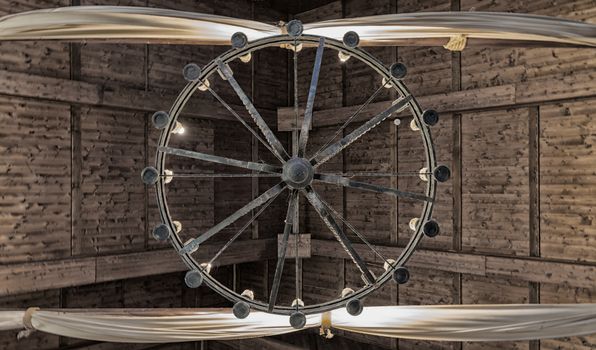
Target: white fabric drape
(154, 25)
(471, 322)
(448, 323)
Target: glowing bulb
(248, 294)
(206, 267)
(414, 125)
(346, 291)
(388, 264)
(177, 226)
(178, 128)
(423, 173)
(204, 86)
(386, 84)
(343, 57)
(169, 176)
(397, 121)
(413, 224)
(296, 48)
(298, 302)
(246, 58)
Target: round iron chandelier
(297, 171)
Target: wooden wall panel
(429, 68)
(495, 182)
(372, 214)
(332, 194)
(158, 291)
(330, 86)
(567, 181)
(113, 64)
(113, 200)
(410, 160)
(483, 290)
(561, 294)
(43, 58)
(361, 81)
(190, 199)
(322, 278)
(34, 180)
(562, 72)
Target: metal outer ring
(231, 55)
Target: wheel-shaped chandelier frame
(199, 81)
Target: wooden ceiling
(517, 129)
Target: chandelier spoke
(220, 160)
(340, 145)
(278, 148)
(282, 254)
(211, 175)
(346, 182)
(237, 234)
(377, 174)
(241, 120)
(353, 229)
(347, 122)
(306, 123)
(193, 245)
(338, 232)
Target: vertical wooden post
(534, 212)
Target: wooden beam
(530, 269)
(509, 95)
(84, 93)
(36, 276)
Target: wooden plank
(35, 168)
(304, 245)
(443, 102)
(567, 181)
(522, 268)
(286, 119)
(495, 182)
(51, 274)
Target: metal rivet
(401, 275)
(161, 232)
(294, 28)
(160, 119)
(431, 228)
(297, 319)
(239, 40)
(193, 279)
(351, 39)
(191, 72)
(398, 70)
(430, 117)
(354, 307)
(442, 173)
(241, 310)
(149, 175)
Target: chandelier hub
(298, 173)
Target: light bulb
(414, 125)
(298, 302)
(204, 86)
(346, 291)
(178, 128)
(343, 57)
(248, 294)
(169, 176)
(246, 58)
(388, 264)
(206, 267)
(296, 48)
(396, 121)
(386, 84)
(177, 226)
(423, 173)
(413, 224)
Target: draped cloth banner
(124, 24)
(430, 322)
